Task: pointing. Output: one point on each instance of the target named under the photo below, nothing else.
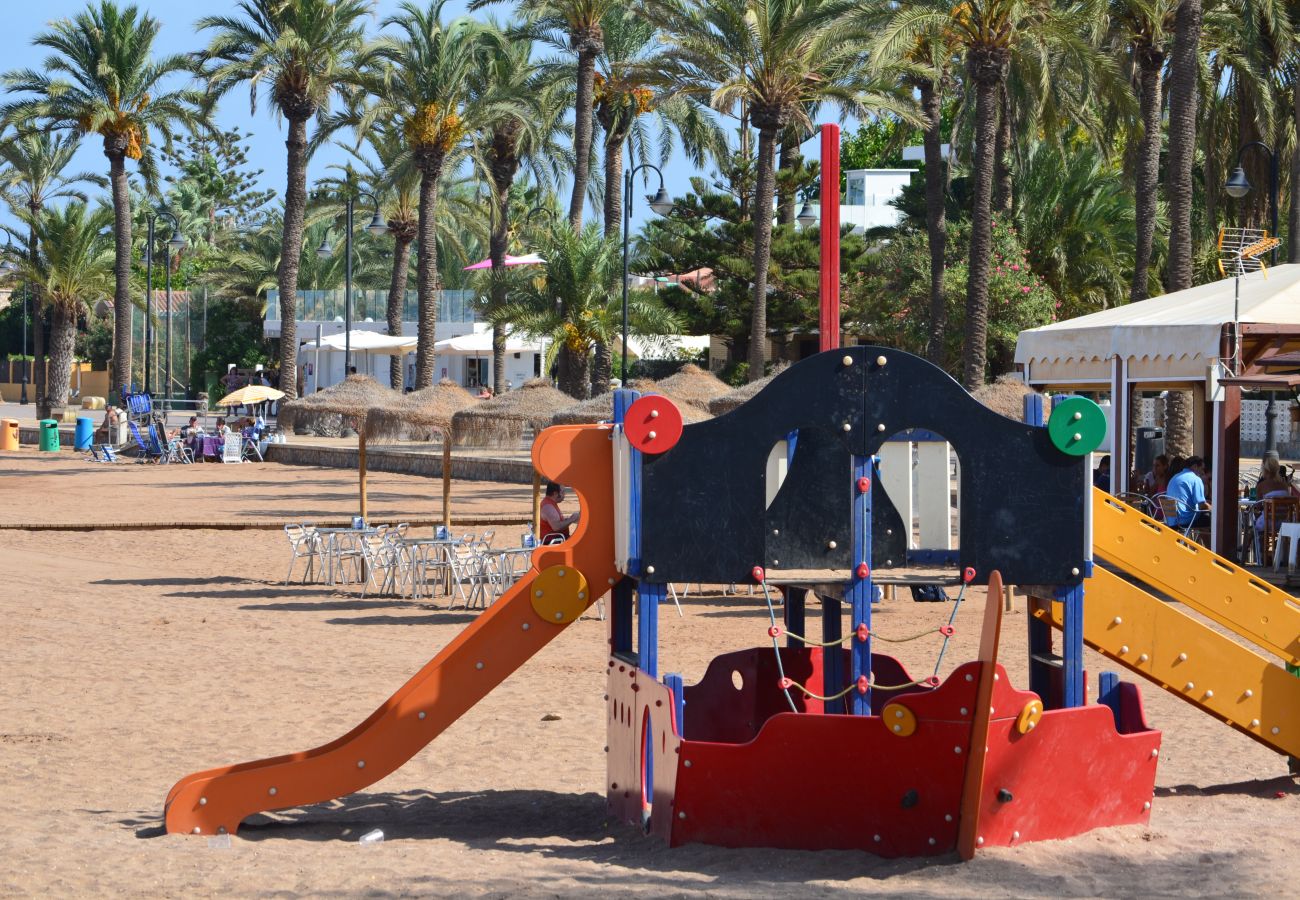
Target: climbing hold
(968, 575)
(862, 632)
(653, 410)
(862, 571)
(900, 719)
(1028, 718)
(774, 631)
(947, 630)
(864, 484)
(757, 574)
(862, 684)
(931, 681)
(1077, 426)
(786, 684)
(560, 596)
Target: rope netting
(861, 633)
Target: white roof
(480, 344)
(371, 341)
(1173, 336)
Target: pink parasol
(528, 259)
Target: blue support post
(622, 400)
(674, 683)
(647, 632)
(791, 441)
(794, 611)
(621, 616)
(1040, 633)
(832, 656)
(861, 590)
(1071, 645)
(1108, 693)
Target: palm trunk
(63, 339)
(987, 71)
(936, 224)
(786, 210)
(576, 377)
(498, 243)
(764, 191)
(40, 368)
(602, 369)
(1293, 220)
(397, 305)
(613, 184)
(427, 271)
(295, 209)
(582, 128)
(1002, 184)
(1183, 98)
(121, 374)
(1178, 423)
(1148, 170)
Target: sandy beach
(132, 658)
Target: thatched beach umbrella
(733, 399)
(352, 398)
(691, 384)
(1006, 395)
(507, 419)
(419, 416)
(599, 408)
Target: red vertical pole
(829, 321)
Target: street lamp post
(173, 242)
(1238, 186)
(376, 227)
(10, 266)
(662, 205)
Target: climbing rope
(966, 578)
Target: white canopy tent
(367, 341)
(1212, 339)
(480, 344)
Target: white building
(868, 194)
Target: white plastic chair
(305, 544)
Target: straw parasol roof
(733, 399)
(691, 384)
(506, 420)
(599, 408)
(420, 414)
(1004, 395)
(351, 398)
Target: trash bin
(8, 434)
(49, 435)
(85, 433)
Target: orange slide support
(508, 633)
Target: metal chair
(305, 544)
(1172, 510)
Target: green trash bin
(49, 435)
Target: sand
(132, 658)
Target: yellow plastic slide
(1181, 653)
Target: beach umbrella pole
(537, 502)
(361, 468)
(446, 481)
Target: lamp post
(550, 213)
(173, 242)
(662, 205)
(1238, 186)
(10, 266)
(377, 228)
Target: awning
(1174, 336)
(480, 344)
(369, 342)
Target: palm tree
(102, 79)
(775, 59)
(1184, 96)
(1145, 25)
(425, 87)
(304, 52)
(72, 270)
(575, 26)
(578, 306)
(520, 132)
(32, 176)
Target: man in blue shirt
(1188, 488)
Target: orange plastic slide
(563, 581)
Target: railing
(328, 306)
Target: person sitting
(1187, 486)
(1272, 483)
(192, 429)
(1157, 480)
(1101, 475)
(485, 393)
(553, 520)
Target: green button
(1077, 426)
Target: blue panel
(674, 684)
(832, 657)
(791, 441)
(647, 637)
(620, 619)
(794, 609)
(1072, 645)
(1040, 672)
(1108, 693)
(622, 400)
(1034, 410)
(861, 592)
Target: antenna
(1240, 250)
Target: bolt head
(203, 801)
(650, 570)
(272, 792)
(847, 360)
(831, 545)
(847, 427)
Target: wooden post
(361, 468)
(537, 502)
(446, 481)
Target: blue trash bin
(85, 433)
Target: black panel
(1022, 501)
(888, 532)
(813, 507)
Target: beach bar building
(1213, 340)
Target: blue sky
(266, 147)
